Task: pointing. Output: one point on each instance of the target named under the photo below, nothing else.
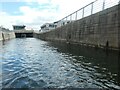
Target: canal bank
(98, 30)
(6, 34)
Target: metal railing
(91, 8)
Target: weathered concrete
(99, 30)
(5, 35)
(1, 36)
(8, 35)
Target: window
(51, 25)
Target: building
(21, 32)
(50, 26)
(3, 29)
(61, 23)
(47, 26)
(19, 27)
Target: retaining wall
(1, 36)
(5, 35)
(101, 29)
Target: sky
(34, 13)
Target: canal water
(33, 63)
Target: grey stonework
(100, 29)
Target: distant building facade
(61, 23)
(47, 26)
(3, 29)
(19, 27)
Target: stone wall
(100, 29)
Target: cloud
(37, 12)
(6, 20)
(69, 6)
(32, 17)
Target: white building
(47, 26)
(50, 26)
(61, 23)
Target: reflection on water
(32, 63)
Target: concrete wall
(95, 30)
(5, 35)
(1, 36)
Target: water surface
(33, 63)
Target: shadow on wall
(3, 38)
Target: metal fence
(93, 7)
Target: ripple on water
(33, 63)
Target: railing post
(70, 17)
(83, 13)
(60, 23)
(92, 8)
(103, 5)
(76, 16)
(66, 20)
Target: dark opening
(21, 35)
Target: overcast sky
(34, 13)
